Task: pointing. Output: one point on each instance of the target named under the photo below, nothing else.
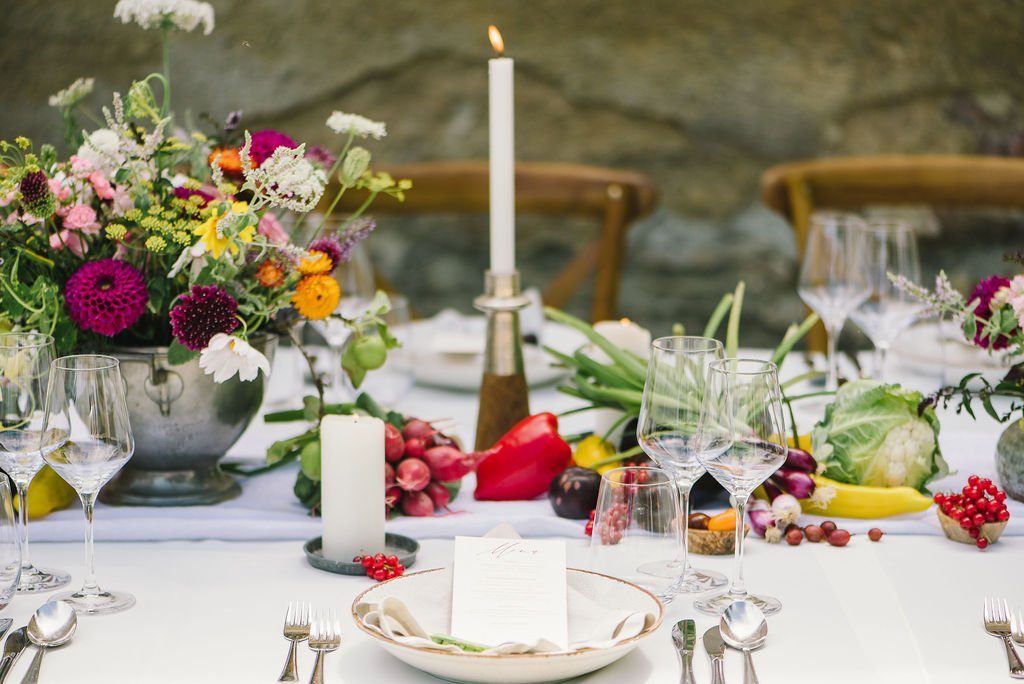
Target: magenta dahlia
(265, 142)
(983, 292)
(198, 316)
(330, 246)
(106, 296)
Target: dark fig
(573, 494)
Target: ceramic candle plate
(394, 545)
(428, 596)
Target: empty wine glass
(24, 368)
(666, 430)
(86, 438)
(741, 441)
(10, 547)
(833, 281)
(889, 247)
(634, 525)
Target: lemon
(47, 493)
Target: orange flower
(316, 296)
(317, 263)
(228, 160)
(269, 274)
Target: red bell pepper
(523, 462)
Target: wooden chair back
(610, 197)
(797, 189)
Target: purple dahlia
(106, 296)
(198, 316)
(983, 292)
(265, 142)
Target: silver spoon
(52, 625)
(744, 628)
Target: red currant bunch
(612, 523)
(980, 502)
(380, 567)
(589, 529)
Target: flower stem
(166, 49)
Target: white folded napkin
(591, 625)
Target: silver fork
(1017, 626)
(296, 629)
(324, 637)
(997, 623)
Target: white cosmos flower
(73, 94)
(356, 125)
(184, 15)
(227, 355)
(102, 149)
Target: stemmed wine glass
(741, 441)
(86, 438)
(889, 248)
(833, 280)
(24, 368)
(666, 431)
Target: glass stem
(832, 381)
(90, 586)
(880, 352)
(684, 526)
(23, 524)
(738, 588)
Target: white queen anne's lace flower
(102, 149)
(184, 15)
(286, 178)
(73, 94)
(356, 125)
(227, 355)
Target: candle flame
(625, 321)
(496, 42)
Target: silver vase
(183, 424)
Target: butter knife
(715, 647)
(684, 636)
(13, 647)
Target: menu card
(509, 590)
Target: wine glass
(833, 280)
(634, 525)
(86, 438)
(666, 431)
(10, 547)
(24, 368)
(741, 441)
(889, 248)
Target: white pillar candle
(503, 158)
(352, 486)
(627, 335)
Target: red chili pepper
(523, 462)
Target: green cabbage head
(872, 435)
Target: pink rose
(80, 165)
(82, 217)
(101, 185)
(69, 239)
(58, 189)
(270, 228)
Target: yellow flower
(317, 263)
(269, 274)
(155, 243)
(216, 244)
(316, 296)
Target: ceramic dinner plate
(428, 596)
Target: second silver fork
(997, 623)
(324, 637)
(296, 629)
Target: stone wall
(703, 95)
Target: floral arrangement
(151, 233)
(991, 318)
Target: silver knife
(13, 647)
(715, 647)
(684, 636)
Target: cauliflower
(873, 434)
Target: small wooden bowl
(951, 527)
(712, 543)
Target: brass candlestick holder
(504, 397)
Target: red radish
(448, 463)
(392, 495)
(415, 427)
(413, 475)
(394, 443)
(414, 447)
(417, 504)
(389, 475)
(439, 439)
(438, 493)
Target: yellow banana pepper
(858, 501)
